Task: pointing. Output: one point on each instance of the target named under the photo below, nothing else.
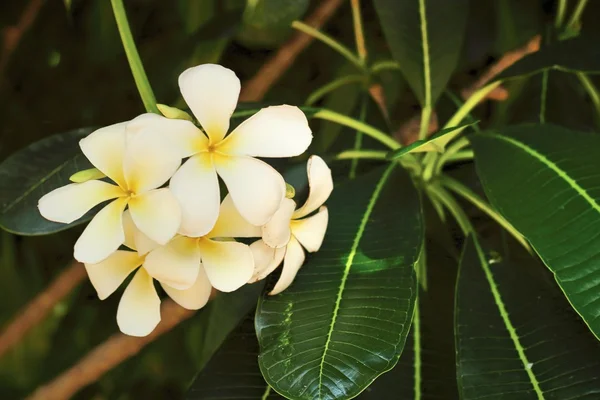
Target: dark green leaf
(517, 339)
(544, 180)
(34, 171)
(575, 55)
(425, 37)
(345, 319)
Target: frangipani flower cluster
(165, 219)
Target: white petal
(256, 188)
(156, 214)
(276, 233)
(105, 148)
(175, 264)
(311, 231)
(231, 224)
(266, 259)
(107, 275)
(195, 297)
(103, 235)
(228, 265)
(69, 203)
(277, 131)
(196, 187)
(134, 238)
(139, 308)
(178, 135)
(293, 260)
(320, 184)
(211, 91)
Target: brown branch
(256, 88)
(38, 308)
(11, 35)
(103, 358)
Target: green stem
(449, 153)
(425, 118)
(358, 138)
(560, 13)
(455, 209)
(463, 191)
(543, 97)
(361, 154)
(470, 104)
(137, 68)
(328, 40)
(331, 86)
(377, 67)
(591, 90)
(576, 16)
(461, 156)
(361, 49)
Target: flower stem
(560, 13)
(137, 68)
(361, 154)
(361, 49)
(331, 86)
(576, 16)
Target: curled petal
(103, 235)
(211, 91)
(175, 264)
(105, 148)
(293, 260)
(69, 203)
(156, 214)
(311, 231)
(276, 233)
(256, 188)
(107, 275)
(139, 308)
(196, 296)
(320, 184)
(266, 260)
(196, 187)
(231, 224)
(277, 131)
(228, 265)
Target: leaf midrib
(349, 262)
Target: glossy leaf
(34, 171)
(425, 37)
(575, 55)
(516, 337)
(544, 180)
(345, 318)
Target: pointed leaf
(34, 171)
(425, 37)
(516, 338)
(345, 318)
(544, 180)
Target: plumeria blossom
(285, 235)
(138, 163)
(256, 189)
(139, 308)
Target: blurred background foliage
(69, 71)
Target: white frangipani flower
(257, 190)
(227, 264)
(289, 230)
(139, 308)
(139, 163)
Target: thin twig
(103, 358)
(256, 88)
(38, 308)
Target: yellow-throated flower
(289, 230)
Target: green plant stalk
(133, 57)
(472, 197)
(591, 90)
(331, 86)
(455, 209)
(358, 137)
(461, 156)
(470, 104)
(361, 154)
(328, 40)
(449, 153)
(576, 16)
(425, 118)
(359, 35)
(543, 97)
(560, 13)
(380, 66)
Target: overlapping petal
(196, 296)
(69, 203)
(276, 233)
(231, 223)
(176, 264)
(310, 231)
(293, 260)
(211, 91)
(103, 235)
(228, 265)
(157, 214)
(107, 275)
(196, 187)
(277, 131)
(266, 259)
(256, 188)
(139, 308)
(105, 148)
(320, 184)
